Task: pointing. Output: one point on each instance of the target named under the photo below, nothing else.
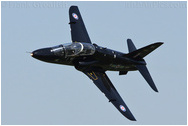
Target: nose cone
(31, 54)
(44, 54)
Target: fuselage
(85, 56)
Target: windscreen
(79, 49)
(58, 50)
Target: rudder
(131, 45)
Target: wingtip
(72, 7)
(133, 119)
(156, 91)
(129, 39)
(130, 116)
(154, 88)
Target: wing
(78, 30)
(102, 81)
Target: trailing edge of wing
(102, 81)
(78, 30)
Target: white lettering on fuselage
(116, 66)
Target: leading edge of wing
(102, 81)
(78, 30)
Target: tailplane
(139, 55)
(142, 52)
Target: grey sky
(34, 92)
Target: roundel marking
(75, 16)
(122, 108)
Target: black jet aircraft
(94, 60)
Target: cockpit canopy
(74, 49)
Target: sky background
(35, 92)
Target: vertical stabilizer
(131, 45)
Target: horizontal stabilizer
(145, 73)
(142, 52)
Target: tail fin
(139, 55)
(131, 45)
